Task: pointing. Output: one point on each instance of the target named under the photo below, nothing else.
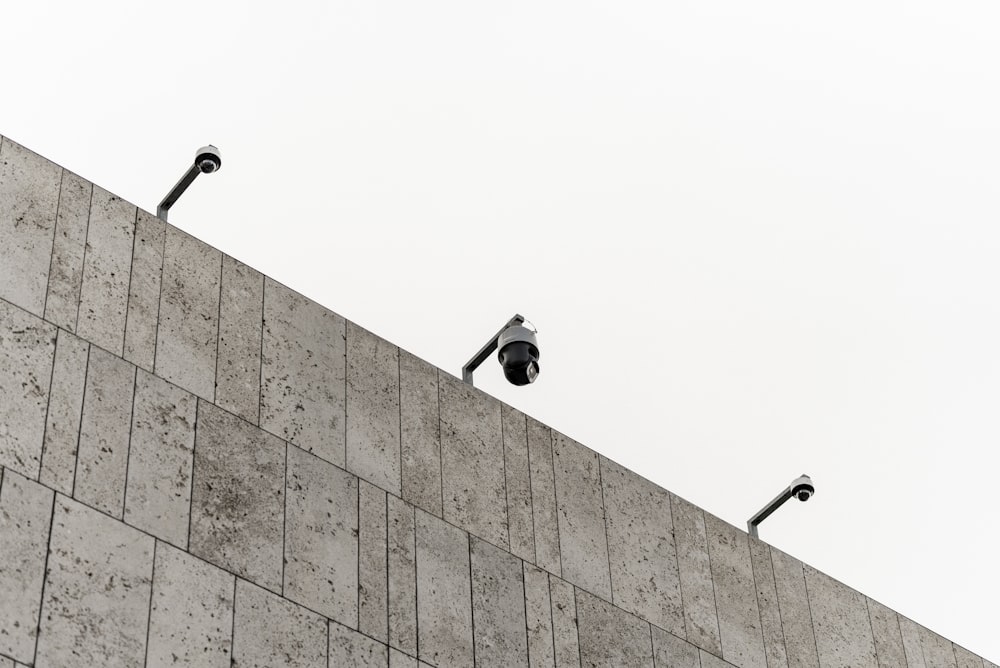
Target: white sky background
(758, 239)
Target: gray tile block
(420, 433)
(187, 336)
(399, 660)
(8, 663)
(701, 622)
(565, 631)
(712, 661)
(518, 481)
(25, 516)
(910, 632)
(237, 383)
(161, 459)
(796, 619)
(191, 614)
(303, 373)
(402, 563)
(963, 658)
(673, 652)
(27, 349)
(888, 639)
(106, 266)
(237, 504)
(351, 649)
(938, 651)
(95, 609)
(582, 536)
(735, 594)
(543, 497)
(269, 631)
(498, 606)
(321, 537)
(444, 608)
(373, 575)
(767, 602)
(62, 424)
(472, 461)
(29, 193)
(611, 637)
(62, 301)
(644, 575)
(839, 613)
(538, 611)
(373, 409)
(102, 461)
(143, 312)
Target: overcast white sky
(758, 239)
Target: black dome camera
(208, 159)
(802, 488)
(518, 355)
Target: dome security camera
(518, 355)
(802, 488)
(208, 159)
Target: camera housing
(518, 355)
(208, 159)
(802, 488)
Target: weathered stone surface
(188, 333)
(498, 606)
(963, 658)
(106, 266)
(938, 651)
(144, 291)
(95, 609)
(237, 504)
(270, 631)
(373, 409)
(735, 594)
(694, 566)
(62, 301)
(444, 609)
(472, 461)
(237, 383)
(910, 632)
(303, 373)
(373, 576)
(796, 619)
(27, 349)
(161, 458)
(767, 602)
(191, 614)
(538, 611)
(402, 562)
(543, 497)
(518, 481)
(673, 652)
(610, 637)
(582, 536)
(420, 433)
(62, 424)
(840, 621)
(25, 515)
(888, 640)
(565, 631)
(350, 648)
(644, 575)
(399, 660)
(321, 537)
(712, 661)
(29, 193)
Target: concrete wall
(202, 467)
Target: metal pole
(178, 190)
(487, 350)
(767, 510)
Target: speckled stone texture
(373, 576)
(237, 380)
(402, 565)
(538, 613)
(144, 291)
(910, 632)
(673, 652)
(796, 618)
(565, 631)
(767, 603)
(610, 637)
(350, 648)
(840, 621)
(543, 497)
(62, 301)
(701, 621)
(888, 639)
(269, 631)
(420, 433)
(518, 479)
(498, 606)
(938, 651)
(963, 659)
(62, 424)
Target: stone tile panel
(420, 433)
(712, 661)
(701, 621)
(237, 382)
(373, 576)
(62, 424)
(545, 517)
(270, 631)
(888, 640)
(796, 619)
(62, 301)
(673, 652)
(518, 482)
(611, 637)
(565, 631)
(144, 291)
(538, 611)
(350, 648)
(767, 603)
(840, 620)
(938, 651)
(965, 659)
(910, 633)
(498, 604)
(402, 564)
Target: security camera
(208, 159)
(518, 354)
(802, 488)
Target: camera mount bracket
(488, 349)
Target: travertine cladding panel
(701, 622)
(237, 383)
(144, 291)
(767, 602)
(161, 458)
(796, 619)
(269, 631)
(402, 564)
(373, 576)
(472, 461)
(498, 606)
(444, 609)
(95, 609)
(582, 536)
(25, 514)
(27, 349)
(420, 433)
(963, 659)
(303, 373)
(237, 504)
(610, 637)
(543, 497)
(350, 648)
(910, 632)
(106, 266)
(671, 651)
(538, 611)
(191, 614)
(735, 594)
(321, 537)
(62, 301)
(840, 621)
(712, 661)
(373, 409)
(518, 479)
(188, 332)
(938, 651)
(644, 576)
(29, 195)
(104, 433)
(888, 639)
(62, 424)
(565, 633)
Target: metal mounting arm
(767, 510)
(189, 176)
(487, 350)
